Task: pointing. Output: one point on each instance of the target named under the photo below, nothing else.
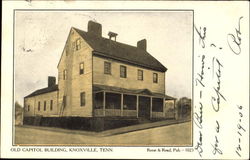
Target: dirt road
(177, 134)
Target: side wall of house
(45, 110)
(29, 102)
(131, 81)
(75, 83)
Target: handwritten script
(209, 81)
(219, 95)
(240, 131)
(198, 114)
(234, 40)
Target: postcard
(125, 79)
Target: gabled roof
(43, 90)
(115, 50)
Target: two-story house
(102, 82)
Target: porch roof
(145, 91)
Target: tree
(18, 113)
(184, 107)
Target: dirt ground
(176, 135)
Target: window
(123, 71)
(81, 68)
(64, 74)
(64, 101)
(140, 75)
(44, 107)
(28, 109)
(78, 44)
(155, 77)
(107, 68)
(51, 105)
(38, 106)
(82, 98)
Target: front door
(144, 107)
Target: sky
(40, 37)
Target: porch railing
(158, 115)
(129, 113)
(114, 112)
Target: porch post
(104, 102)
(137, 105)
(122, 104)
(151, 106)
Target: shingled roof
(122, 52)
(43, 91)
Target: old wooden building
(101, 81)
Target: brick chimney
(111, 35)
(95, 28)
(51, 81)
(142, 44)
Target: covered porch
(119, 102)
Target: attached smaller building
(43, 102)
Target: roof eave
(98, 53)
(33, 93)
(167, 97)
